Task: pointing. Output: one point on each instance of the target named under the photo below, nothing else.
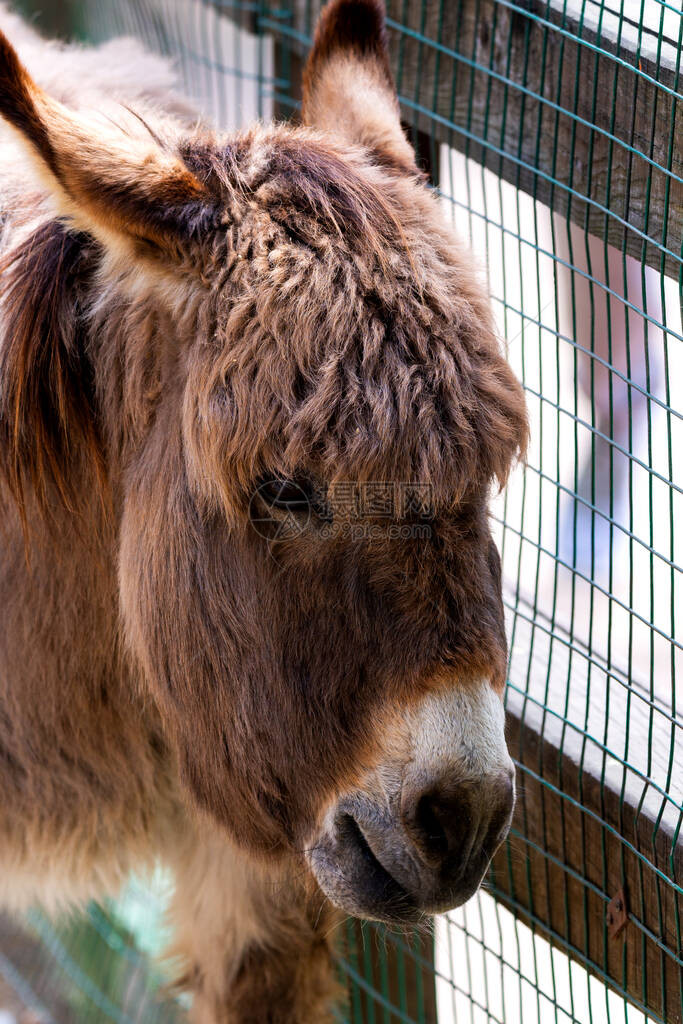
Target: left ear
(121, 185)
(347, 82)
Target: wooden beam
(574, 845)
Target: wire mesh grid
(552, 129)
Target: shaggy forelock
(353, 338)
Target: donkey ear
(347, 83)
(118, 184)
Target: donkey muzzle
(418, 834)
(427, 855)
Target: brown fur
(211, 312)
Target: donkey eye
(290, 495)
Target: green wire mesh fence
(553, 130)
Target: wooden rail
(575, 847)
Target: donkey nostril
(429, 829)
(436, 823)
(451, 825)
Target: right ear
(121, 185)
(347, 82)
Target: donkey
(252, 404)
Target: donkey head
(302, 405)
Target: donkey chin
(416, 837)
